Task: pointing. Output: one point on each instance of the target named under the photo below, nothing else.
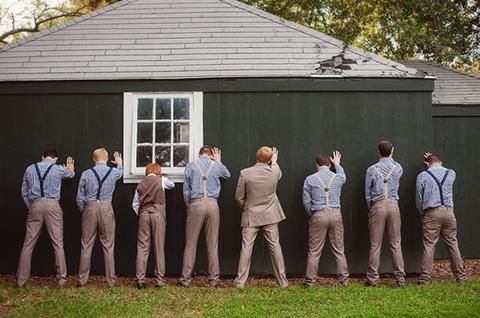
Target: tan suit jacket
(256, 195)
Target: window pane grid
(152, 118)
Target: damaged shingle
(335, 65)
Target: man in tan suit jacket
(261, 211)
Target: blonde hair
(100, 154)
(264, 154)
(153, 168)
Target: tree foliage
(444, 31)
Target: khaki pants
(440, 221)
(151, 229)
(199, 212)
(322, 223)
(272, 238)
(97, 217)
(49, 213)
(385, 214)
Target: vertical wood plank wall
(300, 124)
(456, 139)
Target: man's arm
(117, 160)
(26, 189)
(136, 202)
(275, 167)
(217, 157)
(336, 158)
(399, 170)
(419, 191)
(81, 195)
(187, 185)
(167, 184)
(68, 169)
(341, 173)
(307, 197)
(368, 187)
(224, 173)
(240, 192)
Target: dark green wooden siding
(457, 136)
(300, 123)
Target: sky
(17, 7)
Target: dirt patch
(441, 271)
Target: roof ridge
(61, 26)
(317, 34)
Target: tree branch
(40, 20)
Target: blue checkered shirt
(193, 184)
(374, 183)
(88, 185)
(314, 195)
(428, 193)
(51, 186)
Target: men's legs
(376, 227)
(54, 226)
(248, 238)
(158, 223)
(317, 232)
(89, 233)
(431, 232)
(195, 219)
(106, 233)
(335, 235)
(143, 246)
(212, 224)
(272, 237)
(449, 235)
(34, 226)
(395, 241)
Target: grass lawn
(445, 298)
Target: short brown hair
(385, 148)
(153, 168)
(264, 154)
(100, 154)
(433, 158)
(323, 160)
(52, 153)
(206, 150)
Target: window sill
(136, 178)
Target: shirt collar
(323, 168)
(47, 160)
(388, 159)
(261, 164)
(100, 164)
(151, 175)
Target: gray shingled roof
(451, 86)
(176, 39)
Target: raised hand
(70, 165)
(425, 157)
(117, 158)
(337, 156)
(275, 154)
(216, 154)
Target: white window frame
(133, 174)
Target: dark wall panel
(300, 124)
(457, 141)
